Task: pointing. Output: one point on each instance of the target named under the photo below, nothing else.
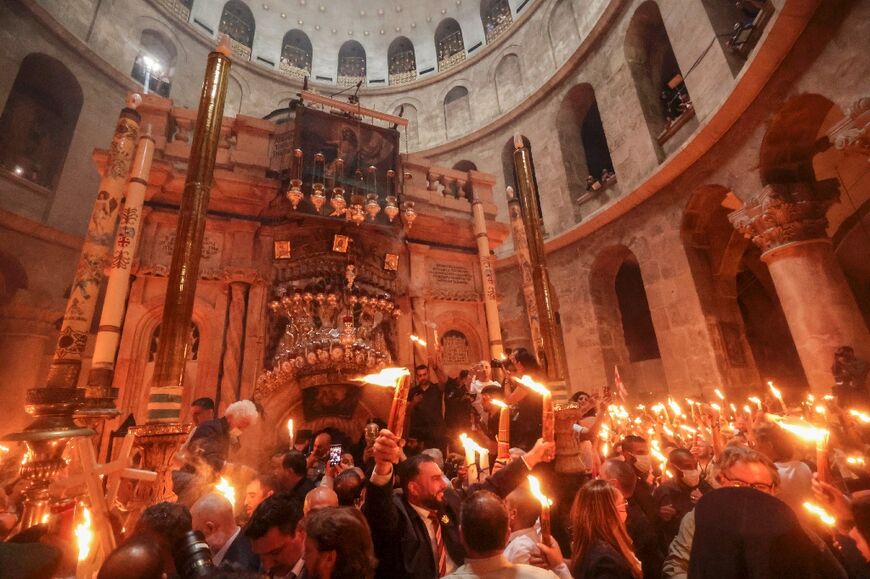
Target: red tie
(440, 551)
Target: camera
(334, 454)
(192, 556)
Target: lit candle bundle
(778, 395)
(290, 431)
(419, 341)
(476, 457)
(84, 533)
(224, 488)
(548, 431)
(504, 432)
(824, 516)
(862, 417)
(546, 503)
(809, 433)
(397, 378)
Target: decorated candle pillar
(487, 274)
(788, 223)
(100, 394)
(521, 251)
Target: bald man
(138, 558)
(318, 499)
(213, 516)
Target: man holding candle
(426, 407)
(416, 533)
(527, 424)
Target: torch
(809, 433)
(824, 516)
(476, 457)
(397, 378)
(548, 432)
(290, 432)
(778, 395)
(535, 488)
(504, 430)
(224, 488)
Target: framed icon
(282, 250)
(340, 243)
(391, 262)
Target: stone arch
(296, 52)
(657, 78)
(625, 328)
(401, 61)
(496, 18)
(465, 165)
(562, 30)
(39, 120)
(154, 65)
(411, 131)
(170, 32)
(237, 22)
(351, 63)
(508, 82)
(582, 141)
(792, 140)
(457, 112)
(449, 45)
(724, 16)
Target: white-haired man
(208, 449)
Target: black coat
(240, 556)
(602, 562)
(401, 541)
(210, 443)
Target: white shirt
(218, 557)
(521, 545)
(498, 567)
(795, 484)
(430, 528)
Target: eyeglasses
(736, 482)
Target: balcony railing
(403, 77)
(288, 69)
(238, 49)
(451, 61)
(177, 8)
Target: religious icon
(340, 243)
(282, 250)
(391, 262)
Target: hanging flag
(618, 385)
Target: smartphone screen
(334, 454)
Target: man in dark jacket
(212, 515)
(416, 533)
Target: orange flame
(386, 377)
(84, 533)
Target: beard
(433, 502)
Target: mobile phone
(334, 454)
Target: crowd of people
(680, 489)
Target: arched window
(237, 22)
(658, 80)
(449, 44)
(562, 30)
(510, 174)
(508, 82)
(738, 26)
(465, 165)
(496, 18)
(179, 8)
(411, 136)
(585, 154)
(457, 112)
(39, 120)
(402, 61)
(155, 63)
(637, 324)
(351, 64)
(296, 54)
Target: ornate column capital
(786, 213)
(852, 133)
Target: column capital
(785, 213)
(852, 133)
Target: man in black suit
(277, 535)
(213, 516)
(291, 477)
(416, 533)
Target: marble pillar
(788, 223)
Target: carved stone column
(852, 134)
(231, 371)
(787, 221)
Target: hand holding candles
(476, 458)
(397, 378)
(535, 488)
(548, 431)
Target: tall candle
(398, 379)
(548, 428)
(535, 488)
(470, 457)
(504, 430)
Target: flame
(820, 409)
(498, 403)
(45, 518)
(716, 407)
(811, 398)
(688, 428)
(527, 381)
(658, 408)
(804, 431)
(823, 515)
(675, 407)
(719, 394)
(4, 449)
(26, 458)
(855, 460)
(774, 390)
(755, 400)
(386, 377)
(290, 428)
(419, 341)
(605, 448)
(535, 488)
(227, 490)
(469, 444)
(747, 409)
(863, 417)
(84, 535)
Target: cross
(91, 477)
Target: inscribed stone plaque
(454, 348)
(452, 276)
